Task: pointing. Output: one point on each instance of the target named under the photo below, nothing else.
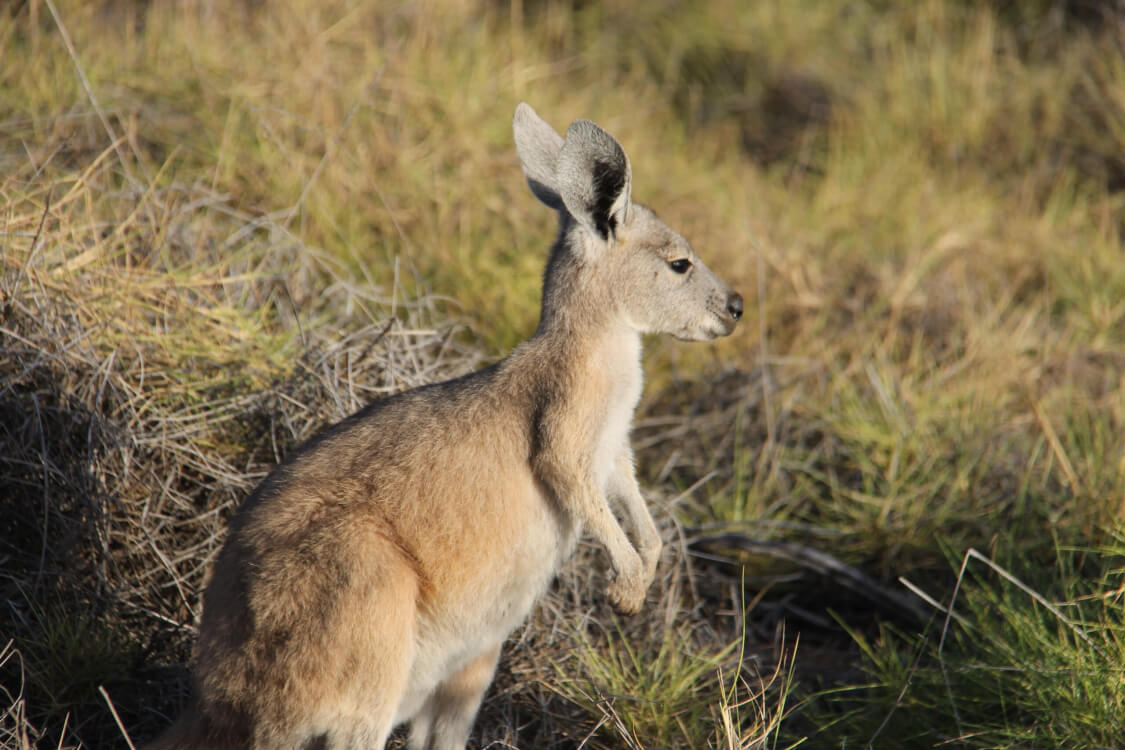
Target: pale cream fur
(373, 576)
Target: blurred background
(893, 498)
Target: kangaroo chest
(621, 359)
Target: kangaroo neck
(607, 357)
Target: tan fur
(372, 577)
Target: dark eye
(683, 265)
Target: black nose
(734, 305)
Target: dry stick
(763, 342)
(35, 245)
(918, 592)
(17, 705)
(1035, 595)
(1053, 440)
(821, 562)
(113, 711)
(41, 361)
(901, 694)
(330, 149)
(682, 536)
(589, 735)
(89, 89)
(972, 553)
(62, 733)
(941, 642)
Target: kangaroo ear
(538, 146)
(594, 178)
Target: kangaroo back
(372, 577)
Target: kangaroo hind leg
(365, 657)
(447, 716)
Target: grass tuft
(1004, 665)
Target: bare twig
(87, 87)
(116, 718)
(819, 562)
(330, 149)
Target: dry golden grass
(145, 391)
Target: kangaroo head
(652, 275)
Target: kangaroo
(372, 577)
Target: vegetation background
(893, 499)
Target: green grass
(1013, 667)
(693, 688)
(655, 695)
(923, 204)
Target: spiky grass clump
(683, 694)
(686, 674)
(1052, 655)
(160, 350)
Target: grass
(666, 697)
(1006, 667)
(652, 695)
(224, 225)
